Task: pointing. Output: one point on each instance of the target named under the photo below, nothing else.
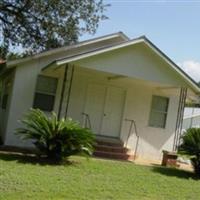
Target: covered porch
(119, 107)
(126, 92)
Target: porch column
(179, 120)
(66, 91)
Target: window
(45, 93)
(158, 114)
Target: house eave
(193, 85)
(57, 50)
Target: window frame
(165, 113)
(45, 93)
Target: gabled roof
(124, 43)
(142, 39)
(61, 49)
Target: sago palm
(190, 145)
(56, 138)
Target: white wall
(21, 100)
(136, 61)
(137, 107)
(23, 95)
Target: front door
(95, 105)
(113, 109)
(104, 104)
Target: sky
(173, 26)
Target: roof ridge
(70, 46)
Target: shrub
(190, 146)
(55, 138)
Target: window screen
(158, 114)
(45, 93)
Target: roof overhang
(65, 48)
(193, 85)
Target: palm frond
(56, 138)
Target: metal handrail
(87, 122)
(132, 123)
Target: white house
(115, 83)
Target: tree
(45, 24)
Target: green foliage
(190, 146)
(56, 138)
(42, 25)
(14, 56)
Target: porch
(117, 90)
(116, 107)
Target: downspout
(63, 91)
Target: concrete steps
(112, 149)
(117, 156)
(109, 148)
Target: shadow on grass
(173, 172)
(32, 159)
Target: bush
(55, 138)
(190, 146)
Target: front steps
(112, 149)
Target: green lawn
(22, 178)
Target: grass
(84, 179)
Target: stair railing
(86, 120)
(132, 124)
